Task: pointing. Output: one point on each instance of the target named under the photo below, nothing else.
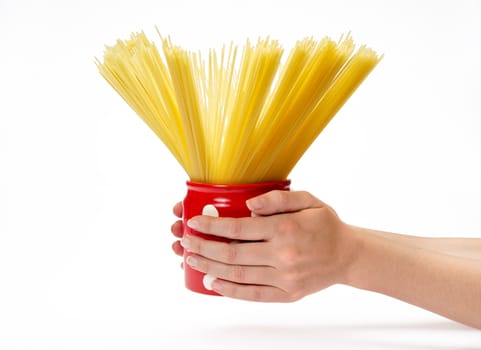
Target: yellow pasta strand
(237, 119)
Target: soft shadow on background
(426, 335)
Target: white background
(86, 189)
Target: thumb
(275, 202)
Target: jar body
(220, 201)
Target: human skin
(301, 246)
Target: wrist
(351, 250)
(374, 257)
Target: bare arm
(461, 247)
(427, 272)
(303, 247)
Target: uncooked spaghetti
(237, 118)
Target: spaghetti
(237, 118)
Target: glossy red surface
(229, 201)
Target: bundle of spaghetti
(231, 119)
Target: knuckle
(206, 225)
(287, 226)
(305, 194)
(234, 228)
(294, 276)
(197, 246)
(203, 265)
(238, 274)
(290, 257)
(256, 294)
(309, 199)
(280, 198)
(230, 253)
(232, 290)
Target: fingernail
(193, 224)
(185, 242)
(217, 286)
(191, 261)
(254, 204)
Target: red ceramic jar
(223, 201)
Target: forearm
(462, 247)
(442, 283)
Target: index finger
(246, 229)
(275, 202)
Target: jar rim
(280, 184)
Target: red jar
(223, 201)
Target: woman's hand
(298, 246)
